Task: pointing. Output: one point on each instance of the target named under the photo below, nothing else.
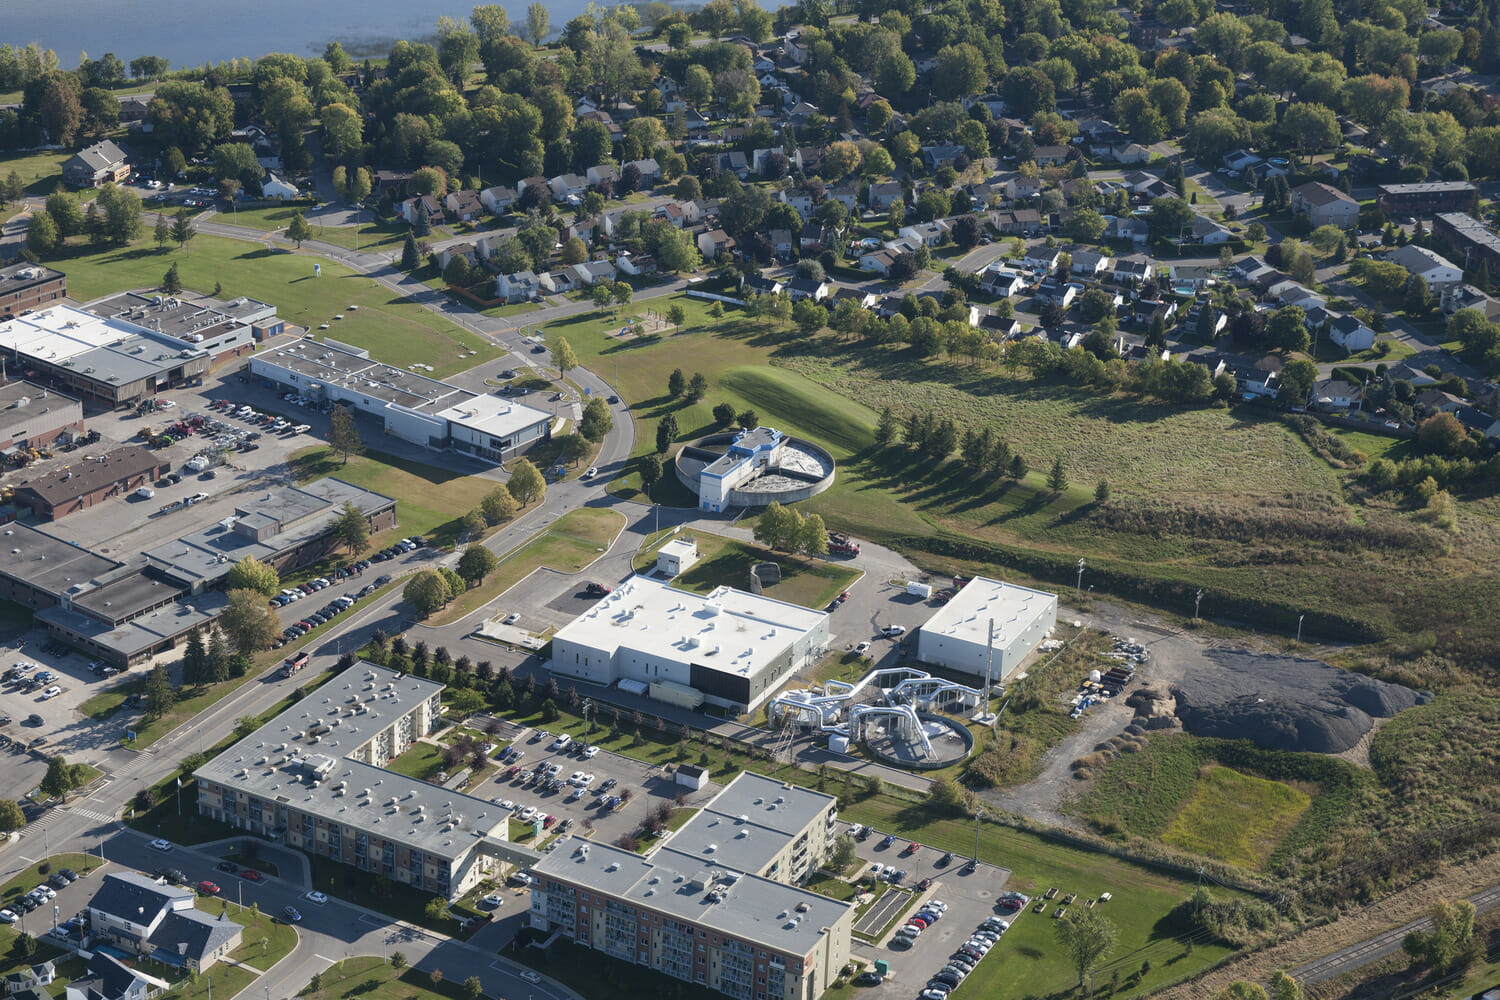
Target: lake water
(190, 34)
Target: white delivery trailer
(922, 590)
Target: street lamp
(1078, 586)
(978, 812)
(1299, 627)
(1197, 600)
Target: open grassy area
(393, 329)
(41, 170)
(264, 941)
(430, 499)
(421, 761)
(372, 978)
(567, 545)
(594, 974)
(373, 235)
(724, 561)
(1236, 817)
(108, 701)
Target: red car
(251, 875)
(913, 847)
(547, 823)
(208, 888)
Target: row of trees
(789, 530)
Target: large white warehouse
(958, 636)
(729, 648)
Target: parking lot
(62, 729)
(646, 783)
(970, 898)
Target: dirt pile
(1285, 702)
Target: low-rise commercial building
(698, 909)
(1468, 236)
(25, 287)
(315, 778)
(34, 417)
(957, 636)
(90, 480)
(106, 362)
(729, 648)
(1426, 198)
(222, 329)
(417, 409)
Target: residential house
(140, 915)
(1258, 383)
(844, 192)
(1240, 160)
(807, 288)
(1190, 276)
(1149, 310)
(1087, 264)
(799, 198)
(761, 285)
(1350, 334)
(1324, 205)
(862, 299)
(1052, 156)
(540, 185)
(998, 327)
(878, 261)
(1214, 361)
(519, 286)
(464, 206)
(272, 186)
(1216, 324)
(783, 245)
(758, 157)
(584, 229)
(96, 165)
(133, 111)
(713, 243)
(1438, 401)
(1332, 395)
(649, 168)
(1128, 227)
(465, 250)
(937, 157)
(1252, 270)
(602, 175)
(498, 199)
(1041, 258)
(387, 180)
(1437, 272)
(1207, 232)
(1130, 272)
(1062, 293)
(1406, 373)
(888, 306)
(1023, 187)
(883, 194)
(107, 978)
(637, 265)
(736, 163)
(1126, 152)
(1475, 419)
(997, 279)
(813, 240)
(616, 133)
(1139, 182)
(676, 214)
(557, 282)
(565, 186)
(408, 209)
(929, 234)
(591, 272)
(809, 159)
(29, 976)
(1292, 293)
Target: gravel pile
(1285, 703)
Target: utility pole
(978, 812)
(1299, 627)
(1078, 586)
(1197, 600)
(989, 658)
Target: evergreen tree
(218, 656)
(160, 695)
(163, 232)
(1482, 278)
(1018, 467)
(1057, 479)
(183, 229)
(194, 659)
(676, 383)
(421, 227)
(170, 282)
(885, 430)
(999, 458)
(410, 259)
(1101, 491)
(343, 434)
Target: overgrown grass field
(1235, 817)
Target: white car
(576, 778)
(316, 897)
(51, 692)
(591, 753)
(591, 473)
(8, 917)
(526, 814)
(891, 631)
(585, 781)
(161, 845)
(530, 976)
(561, 741)
(862, 649)
(512, 618)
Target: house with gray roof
(144, 916)
(97, 165)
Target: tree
(41, 235)
(1297, 379)
(252, 574)
(1241, 990)
(498, 505)
(676, 383)
(966, 232)
(427, 591)
(885, 429)
(352, 529)
(597, 421)
(343, 433)
(666, 433)
(944, 798)
(13, 188)
(1448, 946)
(812, 536)
(476, 563)
(538, 23)
(1287, 330)
(410, 259)
(778, 527)
(473, 988)
(170, 282)
(183, 229)
(398, 961)
(1057, 479)
(526, 483)
(1085, 935)
(160, 695)
(163, 232)
(61, 778)
(749, 420)
(248, 621)
(1284, 987)
(1440, 434)
(723, 414)
(651, 468)
(11, 816)
(1101, 491)
(843, 853)
(564, 357)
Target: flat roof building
(106, 362)
(25, 287)
(34, 417)
(731, 647)
(1435, 196)
(222, 329)
(694, 912)
(415, 408)
(92, 479)
(759, 826)
(314, 777)
(1468, 236)
(957, 636)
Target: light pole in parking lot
(978, 812)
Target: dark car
(68, 874)
(227, 866)
(945, 860)
(614, 399)
(887, 842)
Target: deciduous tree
(343, 433)
(252, 574)
(526, 483)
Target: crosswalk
(91, 814)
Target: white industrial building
(412, 407)
(730, 648)
(958, 635)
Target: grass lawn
(431, 500)
(1235, 817)
(394, 330)
(273, 218)
(723, 561)
(264, 941)
(569, 544)
(41, 170)
(372, 978)
(596, 975)
(420, 761)
(1374, 445)
(105, 703)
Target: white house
(1324, 205)
(498, 199)
(807, 288)
(1023, 187)
(637, 265)
(408, 210)
(1131, 272)
(274, 187)
(998, 279)
(568, 185)
(929, 234)
(557, 282)
(1334, 394)
(883, 194)
(1040, 258)
(877, 261)
(1290, 293)
(1088, 264)
(1208, 232)
(649, 168)
(799, 198)
(1350, 334)
(1437, 272)
(1240, 160)
(520, 286)
(591, 272)
(604, 173)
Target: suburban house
(1128, 227)
(878, 261)
(807, 288)
(713, 243)
(1191, 276)
(1475, 419)
(465, 250)
(1000, 280)
(782, 244)
(937, 157)
(1040, 258)
(557, 282)
(1324, 205)
(846, 194)
(272, 186)
(1333, 394)
(498, 199)
(1252, 270)
(539, 185)
(929, 234)
(1051, 156)
(1291, 293)
(604, 173)
(760, 285)
(1436, 272)
(1062, 293)
(649, 168)
(1406, 373)
(1088, 264)
(29, 976)
(1438, 401)
(883, 194)
(464, 206)
(861, 299)
(1350, 334)
(96, 165)
(1258, 383)
(1023, 187)
(637, 265)
(565, 186)
(1207, 231)
(591, 272)
(140, 915)
(520, 286)
(408, 209)
(1131, 272)
(108, 978)
(1240, 160)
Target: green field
(393, 329)
(371, 978)
(263, 942)
(569, 544)
(724, 561)
(430, 499)
(420, 761)
(372, 235)
(1235, 817)
(42, 170)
